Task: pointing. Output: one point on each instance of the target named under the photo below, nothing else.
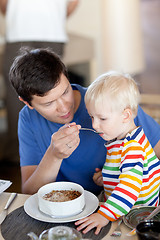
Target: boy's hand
(95, 220)
(97, 177)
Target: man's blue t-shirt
(35, 132)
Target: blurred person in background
(37, 24)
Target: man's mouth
(67, 115)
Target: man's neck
(77, 99)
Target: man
(38, 24)
(52, 147)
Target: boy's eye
(102, 119)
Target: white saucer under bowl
(32, 209)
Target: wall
(150, 15)
(86, 21)
(114, 26)
(2, 29)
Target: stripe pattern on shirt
(131, 175)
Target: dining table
(18, 205)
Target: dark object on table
(148, 230)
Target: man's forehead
(53, 93)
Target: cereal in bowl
(61, 195)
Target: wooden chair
(151, 105)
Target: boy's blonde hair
(120, 89)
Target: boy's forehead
(99, 104)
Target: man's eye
(48, 104)
(66, 91)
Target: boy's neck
(131, 126)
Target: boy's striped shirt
(131, 175)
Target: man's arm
(3, 6)
(72, 4)
(34, 177)
(157, 149)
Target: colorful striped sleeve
(126, 193)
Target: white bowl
(61, 209)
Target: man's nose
(62, 106)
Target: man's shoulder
(79, 88)
(31, 119)
(24, 110)
(28, 113)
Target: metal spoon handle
(10, 200)
(153, 213)
(88, 129)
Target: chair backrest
(151, 105)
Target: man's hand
(65, 140)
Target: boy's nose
(95, 125)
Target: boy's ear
(127, 115)
(25, 102)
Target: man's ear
(127, 115)
(25, 102)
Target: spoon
(4, 213)
(88, 129)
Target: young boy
(131, 173)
